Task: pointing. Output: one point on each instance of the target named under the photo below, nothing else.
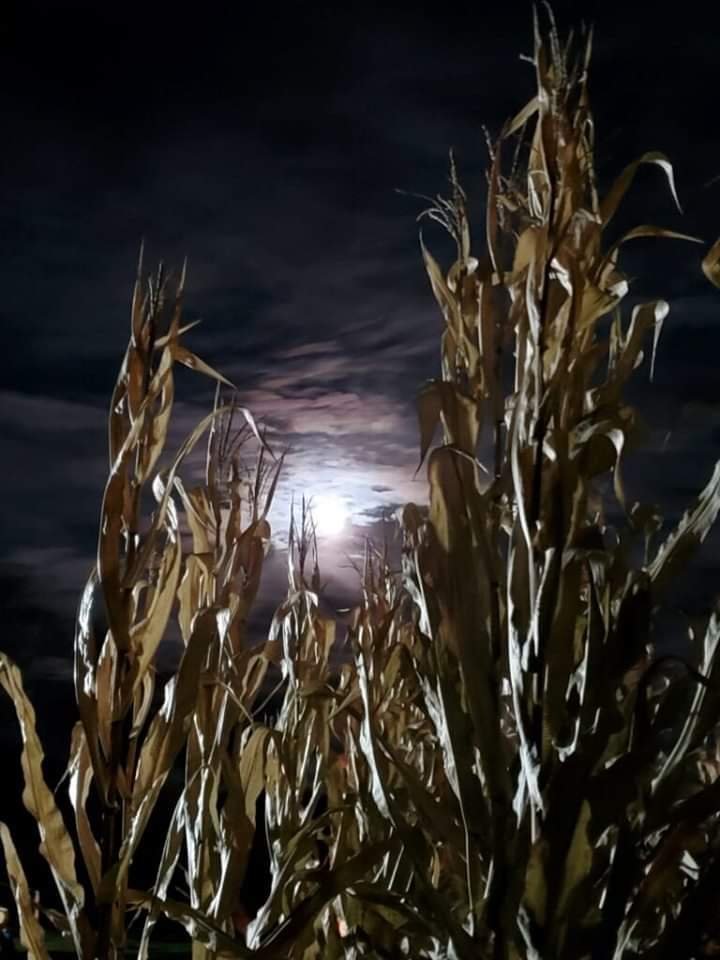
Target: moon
(330, 515)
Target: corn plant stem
(541, 425)
(112, 831)
(114, 814)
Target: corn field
(503, 768)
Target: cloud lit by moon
(279, 183)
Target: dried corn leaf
(56, 845)
(169, 858)
(689, 533)
(32, 935)
(182, 355)
(711, 264)
(613, 199)
(164, 741)
(80, 773)
(145, 636)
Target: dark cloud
(269, 152)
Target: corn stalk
(585, 833)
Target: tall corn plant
(316, 801)
(192, 555)
(317, 854)
(213, 825)
(541, 782)
(122, 749)
(585, 819)
(354, 775)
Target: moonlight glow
(330, 514)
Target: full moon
(330, 515)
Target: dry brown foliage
(503, 768)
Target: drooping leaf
(55, 843)
(613, 199)
(32, 935)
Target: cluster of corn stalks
(576, 756)
(503, 767)
(124, 745)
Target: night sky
(269, 148)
